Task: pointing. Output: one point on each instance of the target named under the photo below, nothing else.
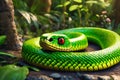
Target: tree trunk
(7, 25)
(40, 6)
(116, 9)
(46, 5)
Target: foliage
(64, 14)
(6, 58)
(2, 39)
(12, 72)
(28, 17)
(85, 13)
(9, 70)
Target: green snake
(40, 52)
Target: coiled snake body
(68, 60)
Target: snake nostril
(51, 39)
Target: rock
(32, 78)
(70, 78)
(21, 63)
(85, 76)
(43, 77)
(115, 77)
(55, 75)
(104, 78)
(66, 78)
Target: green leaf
(84, 9)
(18, 3)
(63, 5)
(66, 3)
(13, 72)
(7, 54)
(52, 17)
(33, 68)
(80, 6)
(43, 19)
(91, 2)
(2, 39)
(59, 6)
(26, 15)
(73, 7)
(5, 58)
(66, 13)
(35, 20)
(78, 1)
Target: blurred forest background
(39, 16)
(34, 17)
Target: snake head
(55, 42)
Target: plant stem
(79, 15)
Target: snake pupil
(61, 40)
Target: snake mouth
(45, 44)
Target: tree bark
(7, 25)
(116, 14)
(46, 5)
(43, 6)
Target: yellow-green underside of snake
(76, 61)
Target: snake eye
(51, 39)
(61, 40)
